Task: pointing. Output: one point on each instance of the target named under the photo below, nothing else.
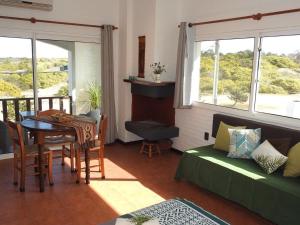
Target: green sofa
(273, 196)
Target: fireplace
(153, 115)
(153, 101)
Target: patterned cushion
(268, 157)
(243, 142)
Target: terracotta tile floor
(132, 182)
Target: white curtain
(184, 67)
(107, 82)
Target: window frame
(217, 70)
(250, 113)
(49, 32)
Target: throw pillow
(223, 139)
(268, 157)
(243, 142)
(292, 168)
(281, 144)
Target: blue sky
(277, 45)
(17, 47)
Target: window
(279, 80)
(42, 74)
(226, 71)
(207, 67)
(16, 77)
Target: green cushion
(292, 168)
(272, 196)
(223, 139)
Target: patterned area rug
(179, 212)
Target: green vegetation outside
(280, 74)
(16, 75)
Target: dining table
(41, 129)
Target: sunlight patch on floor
(6, 156)
(125, 196)
(121, 190)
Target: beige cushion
(223, 139)
(292, 168)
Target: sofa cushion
(273, 196)
(151, 130)
(292, 168)
(243, 142)
(223, 139)
(268, 157)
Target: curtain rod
(257, 16)
(34, 20)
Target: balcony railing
(11, 107)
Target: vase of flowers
(157, 69)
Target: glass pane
(66, 71)
(235, 72)
(207, 67)
(279, 86)
(53, 74)
(88, 76)
(16, 80)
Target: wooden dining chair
(22, 154)
(65, 143)
(97, 145)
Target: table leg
(78, 164)
(41, 169)
(87, 164)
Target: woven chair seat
(32, 150)
(59, 140)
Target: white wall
(158, 20)
(203, 10)
(96, 12)
(87, 71)
(81, 11)
(166, 36)
(126, 65)
(143, 22)
(194, 122)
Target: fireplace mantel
(153, 101)
(149, 83)
(152, 89)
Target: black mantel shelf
(152, 89)
(149, 83)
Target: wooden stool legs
(142, 148)
(150, 147)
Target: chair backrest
(102, 129)
(16, 134)
(49, 112)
